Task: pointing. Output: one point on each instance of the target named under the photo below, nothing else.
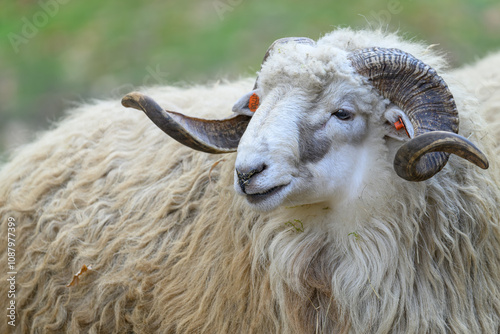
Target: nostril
(244, 175)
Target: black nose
(245, 176)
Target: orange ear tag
(253, 102)
(401, 125)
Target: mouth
(261, 197)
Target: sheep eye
(343, 114)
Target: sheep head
(323, 119)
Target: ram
(354, 203)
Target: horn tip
(484, 164)
(131, 100)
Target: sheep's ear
(398, 125)
(248, 103)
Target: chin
(268, 200)
(264, 204)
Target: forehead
(321, 75)
(310, 67)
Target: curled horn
(211, 136)
(423, 95)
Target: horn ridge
(424, 96)
(435, 146)
(410, 84)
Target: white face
(302, 148)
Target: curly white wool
(174, 250)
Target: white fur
(346, 247)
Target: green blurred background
(55, 53)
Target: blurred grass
(95, 49)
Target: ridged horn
(424, 96)
(408, 159)
(211, 136)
